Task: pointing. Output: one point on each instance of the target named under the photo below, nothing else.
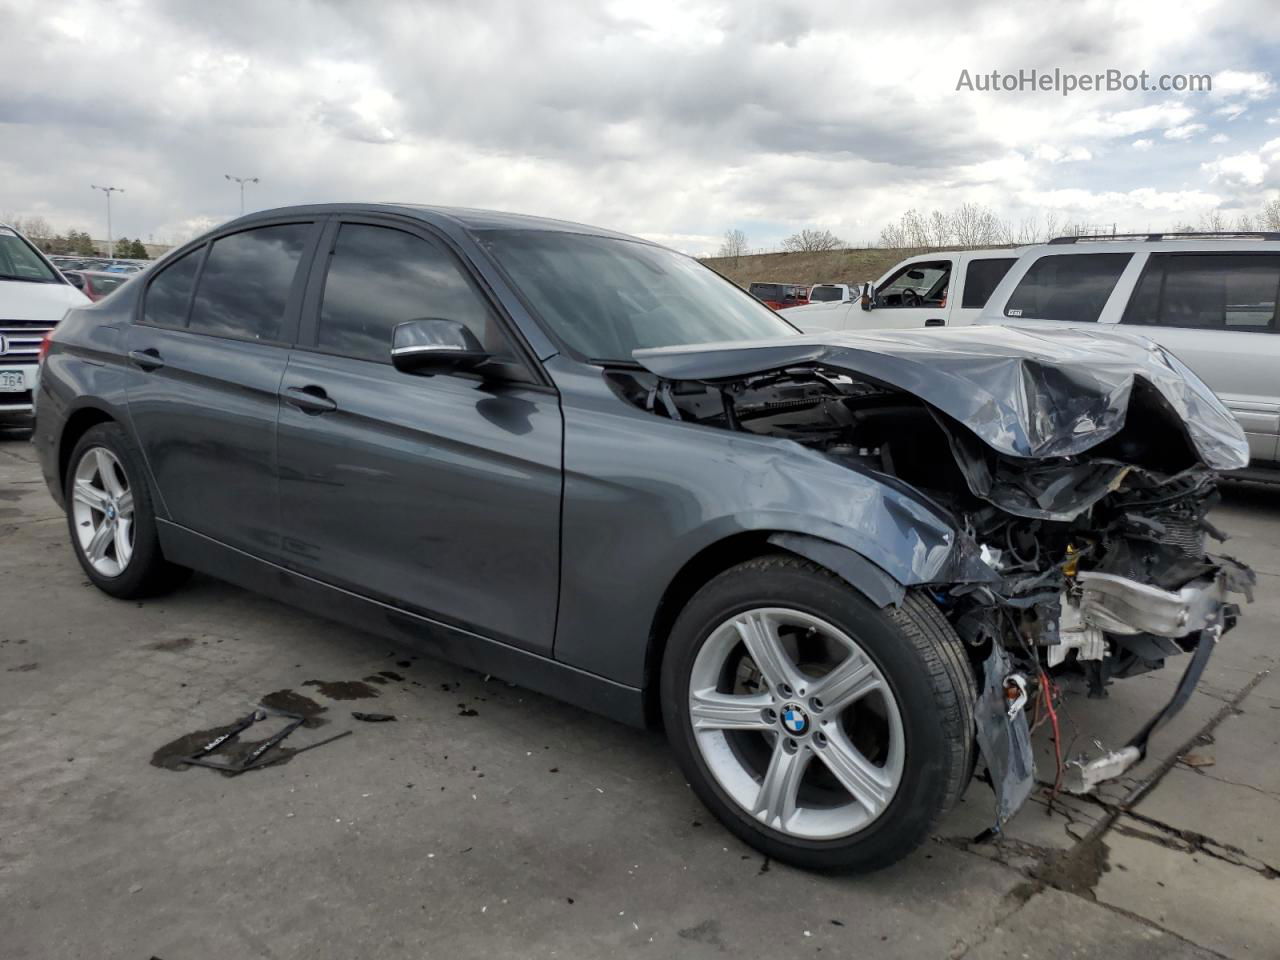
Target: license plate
(12, 381)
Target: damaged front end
(1077, 469)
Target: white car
(948, 288)
(1209, 298)
(34, 295)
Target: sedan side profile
(826, 564)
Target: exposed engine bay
(1083, 493)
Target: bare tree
(812, 241)
(733, 245)
(974, 225)
(1269, 218)
(1213, 221)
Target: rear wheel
(111, 519)
(820, 729)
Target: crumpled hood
(1032, 394)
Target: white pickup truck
(948, 288)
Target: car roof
(1169, 244)
(469, 219)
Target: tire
(921, 689)
(145, 572)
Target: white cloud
(1238, 170)
(1219, 138)
(1184, 131)
(1143, 144)
(1051, 154)
(1253, 85)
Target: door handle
(309, 399)
(147, 360)
(935, 322)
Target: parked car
(33, 298)
(779, 295)
(834, 566)
(831, 292)
(123, 266)
(1209, 298)
(929, 290)
(94, 284)
(76, 263)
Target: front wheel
(820, 729)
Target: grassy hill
(830, 266)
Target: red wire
(1046, 691)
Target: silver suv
(1210, 298)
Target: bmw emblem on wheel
(795, 720)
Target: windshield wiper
(628, 364)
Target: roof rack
(1190, 235)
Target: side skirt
(587, 690)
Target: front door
(438, 494)
(915, 295)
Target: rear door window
(981, 278)
(1069, 287)
(246, 282)
(169, 293)
(767, 291)
(1208, 291)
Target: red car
(780, 295)
(93, 283)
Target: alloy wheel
(796, 723)
(102, 508)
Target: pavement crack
(1236, 783)
(1189, 842)
(1016, 898)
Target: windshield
(18, 261)
(826, 294)
(606, 297)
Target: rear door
(1217, 313)
(979, 276)
(209, 350)
(438, 494)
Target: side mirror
(433, 345)
(868, 297)
(75, 280)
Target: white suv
(1209, 298)
(33, 298)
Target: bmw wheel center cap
(795, 720)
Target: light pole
(242, 181)
(108, 191)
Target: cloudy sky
(673, 119)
